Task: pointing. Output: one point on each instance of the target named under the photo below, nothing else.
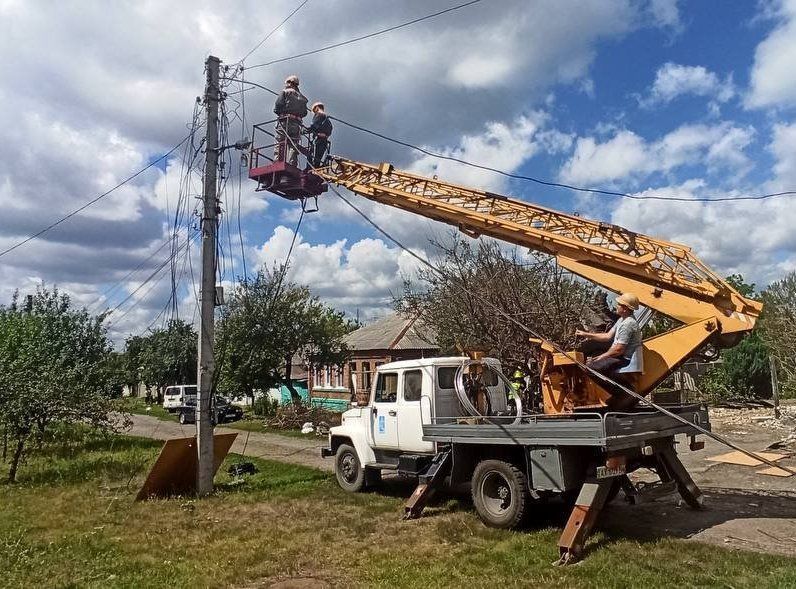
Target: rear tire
(348, 469)
(500, 494)
(182, 419)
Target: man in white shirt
(625, 356)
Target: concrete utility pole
(207, 295)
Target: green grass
(71, 522)
(138, 405)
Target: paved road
(272, 446)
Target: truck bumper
(326, 452)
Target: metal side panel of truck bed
(611, 430)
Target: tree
(53, 368)
(743, 372)
(778, 329)
(168, 356)
(532, 289)
(265, 325)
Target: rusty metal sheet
(174, 471)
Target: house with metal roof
(394, 337)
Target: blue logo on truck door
(382, 425)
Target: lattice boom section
(529, 225)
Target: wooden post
(772, 363)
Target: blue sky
(650, 97)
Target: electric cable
(559, 184)
(598, 376)
(540, 181)
(94, 200)
(363, 37)
(274, 30)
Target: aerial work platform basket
(269, 167)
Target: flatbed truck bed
(610, 431)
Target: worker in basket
(624, 359)
(321, 129)
(291, 108)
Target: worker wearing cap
(321, 128)
(291, 108)
(625, 356)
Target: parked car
(177, 395)
(224, 411)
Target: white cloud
(773, 78)
(363, 276)
(783, 147)
(503, 146)
(674, 80)
(91, 95)
(627, 155)
(666, 13)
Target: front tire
(500, 494)
(182, 419)
(348, 469)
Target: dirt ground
(743, 509)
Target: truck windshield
(386, 388)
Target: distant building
(395, 337)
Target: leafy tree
(53, 369)
(167, 356)
(533, 289)
(743, 372)
(265, 325)
(778, 329)
(131, 362)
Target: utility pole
(207, 295)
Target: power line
(558, 184)
(363, 37)
(94, 200)
(534, 333)
(146, 281)
(539, 180)
(274, 30)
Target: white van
(175, 396)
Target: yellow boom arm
(666, 276)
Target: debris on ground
(295, 416)
(762, 416)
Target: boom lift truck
(583, 440)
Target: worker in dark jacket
(291, 108)
(321, 128)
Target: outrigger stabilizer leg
(595, 491)
(428, 484)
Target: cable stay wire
(588, 369)
(363, 37)
(558, 348)
(271, 33)
(94, 200)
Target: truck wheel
(348, 470)
(182, 418)
(500, 493)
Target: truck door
(384, 414)
(414, 410)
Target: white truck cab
(387, 433)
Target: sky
(646, 97)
